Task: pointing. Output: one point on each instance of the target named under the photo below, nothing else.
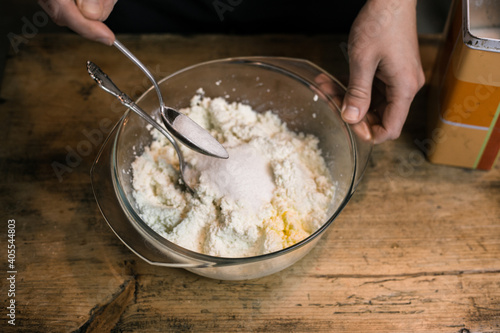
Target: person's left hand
(383, 44)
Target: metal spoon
(106, 84)
(182, 127)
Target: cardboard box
(464, 100)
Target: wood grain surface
(416, 250)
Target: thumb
(91, 9)
(358, 95)
(97, 10)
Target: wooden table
(416, 250)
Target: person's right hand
(383, 45)
(82, 16)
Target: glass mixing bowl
(303, 95)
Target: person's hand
(82, 16)
(383, 44)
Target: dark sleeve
(233, 16)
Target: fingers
(403, 79)
(400, 95)
(93, 30)
(391, 122)
(357, 99)
(66, 13)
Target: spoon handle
(105, 83)
(191, 134)
(136, 61)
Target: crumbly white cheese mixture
(273, 191)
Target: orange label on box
(469, 103)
